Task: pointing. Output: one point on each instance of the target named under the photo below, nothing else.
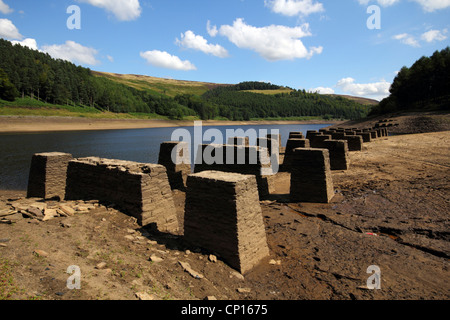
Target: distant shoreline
(32, 124)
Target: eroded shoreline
(30, 124)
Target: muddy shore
(391, 210)
(15, 124)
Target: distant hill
(162, 86)
(173, 87)
(32, 82)
(361, 100)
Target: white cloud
(427, 5)
(192, 41)
(28, 42)
(383, 3)
(323, 90)
(212, 30)
(433, 5)
(273, 42)
(294, 7)
(377, 90)
(8, 30)
(407, 39)
(163, 59)
(4, 8)
(434, 35)
(124, 10)
(73, 52)
(111, 59)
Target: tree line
(423, 86)
(30, 73)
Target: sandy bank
(16, 124)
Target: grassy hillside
(160, 86)
(33, 107)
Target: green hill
(32, 82)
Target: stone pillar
(339, 155)
(311, 179)
(355, 143)
(239, 141)
(296, 135)
(177, 171)
(276, 137)
(290, 146)
(367, 137)
(251, 160)
(223, 215)
(312, 133)
(47, 178)
(317, 141)
(140, 190)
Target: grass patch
(8, 287)
(33, 107)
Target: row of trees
(27, 72)
(297, 103)
(423, 86)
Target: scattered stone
(237, 275)
(244, 290)
(65, 225)
(50, 214)
(5, 221)
(129, 237)
(101, 265)
(275, 262)
(67, 210)
(154, 258)
(35, 212)
(40, 253)
(212, 258)
(186, 266)
(210, 298)
(3, 245)
(145, 296)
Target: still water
(140, 145)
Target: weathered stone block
(355, 143)
(239, 141)
(248, 160)
(339, 155)
(223, 215)
(175, 157)
(311, 179)
(138, 189)
(317, 140)
(296, 135)
(47, 178)
(290, 146)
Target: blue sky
(316, 45)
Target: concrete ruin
(296, 135)
(355, 143)
(175, 157)
(239, 141)
(47, 177)
(138, 189)
(311, 179)
(316, 141)
(223, 215)
(247, 160)
(291, 145)
(339, 154)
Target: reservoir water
(140, 145)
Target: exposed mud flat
(391, 210)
